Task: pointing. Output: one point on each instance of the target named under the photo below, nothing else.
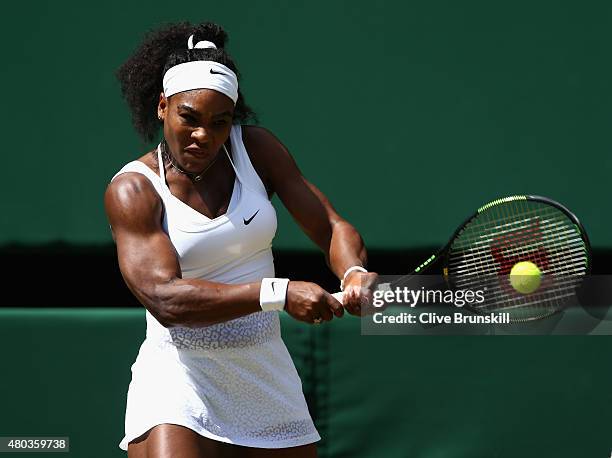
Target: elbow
(167, 312)
(167, 320)
(172, 304)
(162, 313)
(159, 304)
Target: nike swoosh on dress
(247, 221)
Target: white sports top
(233, 381)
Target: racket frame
(443, 254)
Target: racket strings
(476, 262)
(518, 241)
(494, 294)
(505, 221)
(489, 246)
(548, 231)
(513, 227)
(550, 296)
(550, 237)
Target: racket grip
(380, 287)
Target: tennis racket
(482, 252)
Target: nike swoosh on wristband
(247, 221)
(272, 286)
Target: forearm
(346, 248)
(196, 303)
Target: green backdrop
(409, 115)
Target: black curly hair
(142, 74)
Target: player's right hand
(310, 303)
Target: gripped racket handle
(381, 287)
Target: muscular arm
(340, 242)
(150, 268)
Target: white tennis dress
(234, 381)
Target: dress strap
(243, 166)
(233, 165)
(162, 170)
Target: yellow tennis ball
(525, 277)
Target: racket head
(504, 232)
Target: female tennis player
(193, 225)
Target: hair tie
(200, 44)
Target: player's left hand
(358, 293)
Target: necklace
(193, 176)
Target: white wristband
(348, 271)
(273, 293)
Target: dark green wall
(66, 373)
(408, 115)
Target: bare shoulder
(131, 201)
(261, 142)
(132, 189)
(257, 135)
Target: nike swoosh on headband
(218, 73)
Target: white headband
(201, 74)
